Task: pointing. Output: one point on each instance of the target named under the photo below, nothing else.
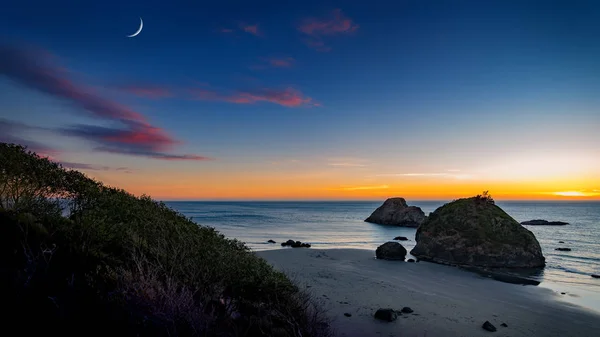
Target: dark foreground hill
(124, 265)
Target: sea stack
(396, 212)
(475, 232)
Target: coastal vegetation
(79, 256)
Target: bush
(81, 256)
(485, 197)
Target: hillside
(78, 256)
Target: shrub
(485, 197)
(81, 256)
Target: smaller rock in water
(504, 325)
(271, 241)
(562, 293)
(295, 244)
(401, 238)
(561, 242)
(488, 326)
(386, 314)
(563, 249)
(406, 310)
(410, 260)
(595, 276)
(543, 223)
(348, 314)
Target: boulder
(563, 249)
(288, 243)
(488, 326)
(595, 276)
(406, 310)
(347, 314)
(543, 223)
(410, 260)
(386, 314)
(401, 238)
(271, 241)
(561, 242)
(504, 325)
(475, 232)
(396, 212)
(391, 251)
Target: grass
(78, 256)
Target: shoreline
(447, 301)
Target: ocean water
(341, 225)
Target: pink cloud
(226, 30)
(318, 28)
(336, 24)
(252, 29)
(135, 135)
(287, 97)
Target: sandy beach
(447, 301)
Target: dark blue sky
(401, 85)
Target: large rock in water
(395, 211)
(476, 232)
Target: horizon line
(369, 200)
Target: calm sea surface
(341, 225)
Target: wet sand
(447, 301)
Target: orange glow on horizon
(325, 186)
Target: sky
(310, 100)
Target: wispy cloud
(251, 29)
(8, 129)
(428, 174)
(274, 62)
(347, 164)
(316, 29)
(241, 27)
(284, 62)
(359, 188)
(91, 167)
(288, 97)
(134, 135)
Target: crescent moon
(139, 29)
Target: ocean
(341, 225)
